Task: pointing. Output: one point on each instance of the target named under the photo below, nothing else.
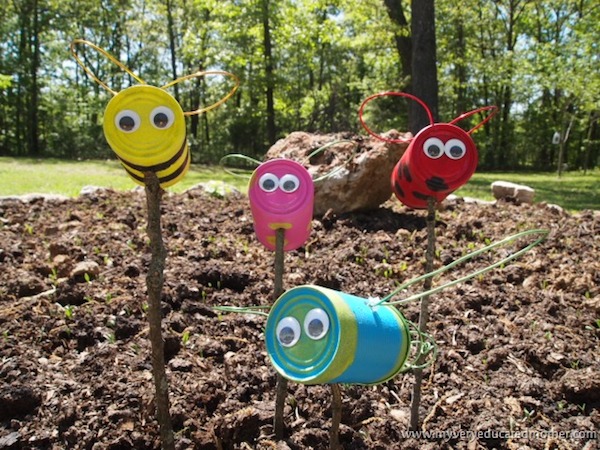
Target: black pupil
(126, 123)
(269, 185)
(433, 150)
(161, 120)
(315, 327)
(289, 185)
(456, 151)
(286, 335)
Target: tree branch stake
(154, 284)
(424, 313)
(282, 382)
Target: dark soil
(519, 346)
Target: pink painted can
(281, 193)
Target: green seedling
(575, 364)
(69, 311)
(185, 337)
(528, 414)
(53, 276)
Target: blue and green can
(316, 335)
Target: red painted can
(441, 158)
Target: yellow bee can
(145, 126)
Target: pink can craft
(281, 193)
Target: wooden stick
(424, 313)
(336, 417)
(282, 382)
(154, 284)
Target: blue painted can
(315, 335)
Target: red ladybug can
(441, 158)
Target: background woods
(306, 65)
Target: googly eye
(455, 149)
(288, 331)
(433, 148)
(289, 183)
(268, 182)
(127, 121)
(162, 117)
(316, 323)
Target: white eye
(433, 148)
(288, 331)
(268, 182)
(289, 183)
(316, 323)
(455, 149)
(162, 117)
(127, 121)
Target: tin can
(441, 158)
(281, 194)
(145, 127)
(316, 335)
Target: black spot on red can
(436, 184)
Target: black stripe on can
(157, 167)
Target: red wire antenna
(493, 109)
(391, 94)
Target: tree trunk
(172, 45)
(461, 69)
(268, 51)
(402, 38)
(424, 69)
(33, 131)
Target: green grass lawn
(573, 191)
(26, 175)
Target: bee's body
(145, 127)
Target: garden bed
(519, 347)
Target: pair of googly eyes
(434, 148)
(161, 118)
(316, 326)
(288, 183)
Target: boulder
(511, 191)
(360, 168)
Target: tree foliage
(305, 65)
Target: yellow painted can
(145, 126)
